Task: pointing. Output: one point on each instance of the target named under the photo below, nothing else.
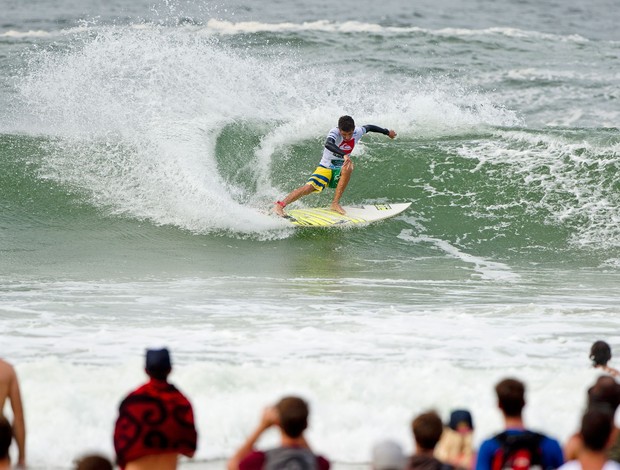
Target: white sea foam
(44, 34)
(215, 26)
(25, 34)
(511, 32)
(248, 27)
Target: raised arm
(372, 128)
(268, 419)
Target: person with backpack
(517, 448)
(290, 415)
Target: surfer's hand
(392, 134)
(348, 163)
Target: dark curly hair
(600, 353)
(346, 123)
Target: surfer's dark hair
(600, 353)
(346, 123)
(293, 413)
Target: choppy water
(141, 144)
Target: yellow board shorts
(324, 178)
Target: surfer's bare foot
(337, 208)
(279, 209)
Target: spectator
(456, 444)
(604, 392)
(93, 462)
(6, 436)
(499, 451)
(9, 388)
(596, 434)
(155, 422)
(427, 429)
(388, 455)
(290, 415)
(600, 354)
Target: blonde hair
(455, 448)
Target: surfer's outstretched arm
(372, 128)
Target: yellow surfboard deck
(355, 215)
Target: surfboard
(355, 215)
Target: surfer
(335, 168)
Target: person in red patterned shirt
(155, 422)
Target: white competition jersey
(575, 465)
(332, 160)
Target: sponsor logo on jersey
(347, 145)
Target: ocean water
(143, 142)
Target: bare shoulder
(573, 446)
(154, 462)
(7, 372)
(611, 371)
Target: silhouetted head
(388, 455)
(511, 397)
(596, 426)
(605, 391)
(427, 429)
(158, 365)
(600, 353)
(93, 462)
(293, 413)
